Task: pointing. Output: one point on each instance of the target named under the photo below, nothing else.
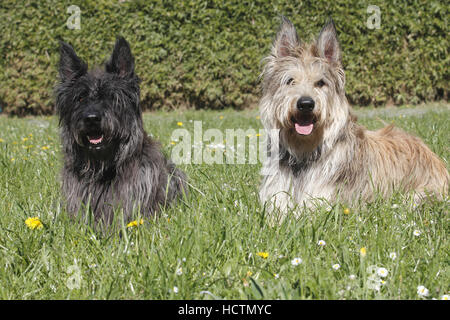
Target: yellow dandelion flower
(179, 123)
(135, 223)
(263, 255)
(33, 223)
(221, 117)
(172, 142)
(258, 134)
(346, 211)
(45, 148)
(257, 117)
(24, 139)
(249, 273)
(363, 251)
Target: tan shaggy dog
(323, 153)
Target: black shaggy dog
(109, 160)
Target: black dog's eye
(320, 83)
(290, 81)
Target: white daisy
(352, 277)
(175, 289)
(422, 291)
(321, 243)
(179, 271)
(336, 266)
(445, 297)
(382, 272)
(296, 261)
(417, 233)
(393, 255)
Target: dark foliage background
(207, 54)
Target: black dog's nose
(305, 104)
(92, 118)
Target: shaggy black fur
(109, 160)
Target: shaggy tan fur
(339, 159)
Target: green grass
(215, 234)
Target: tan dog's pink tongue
(305, 129)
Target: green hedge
(207, 54)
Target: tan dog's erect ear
(286, 39)
(328, 43)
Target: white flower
(336, 266)
(422, 291)
(445, 297)
(179, 271)
(296, 261)
(395, 206)
(276, 275)
(321, 243)
(175, 289)
(393, 255)
(416, 233)
(382, 272)
(352, 277)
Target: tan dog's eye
(320, 83)
(290, 81)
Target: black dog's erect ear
(328, 43)
(286, 39)
(70, 66)
(122, 60)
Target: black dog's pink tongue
(304, 129)
(95, 139)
